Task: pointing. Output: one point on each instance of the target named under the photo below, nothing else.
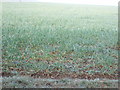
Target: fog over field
(52, 45)
(92, 2)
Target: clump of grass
(17, 82)
(28, 82)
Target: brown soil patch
(6, 74)
(59, 75)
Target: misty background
(92, 2)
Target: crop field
(57, 41)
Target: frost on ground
(29, 82)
